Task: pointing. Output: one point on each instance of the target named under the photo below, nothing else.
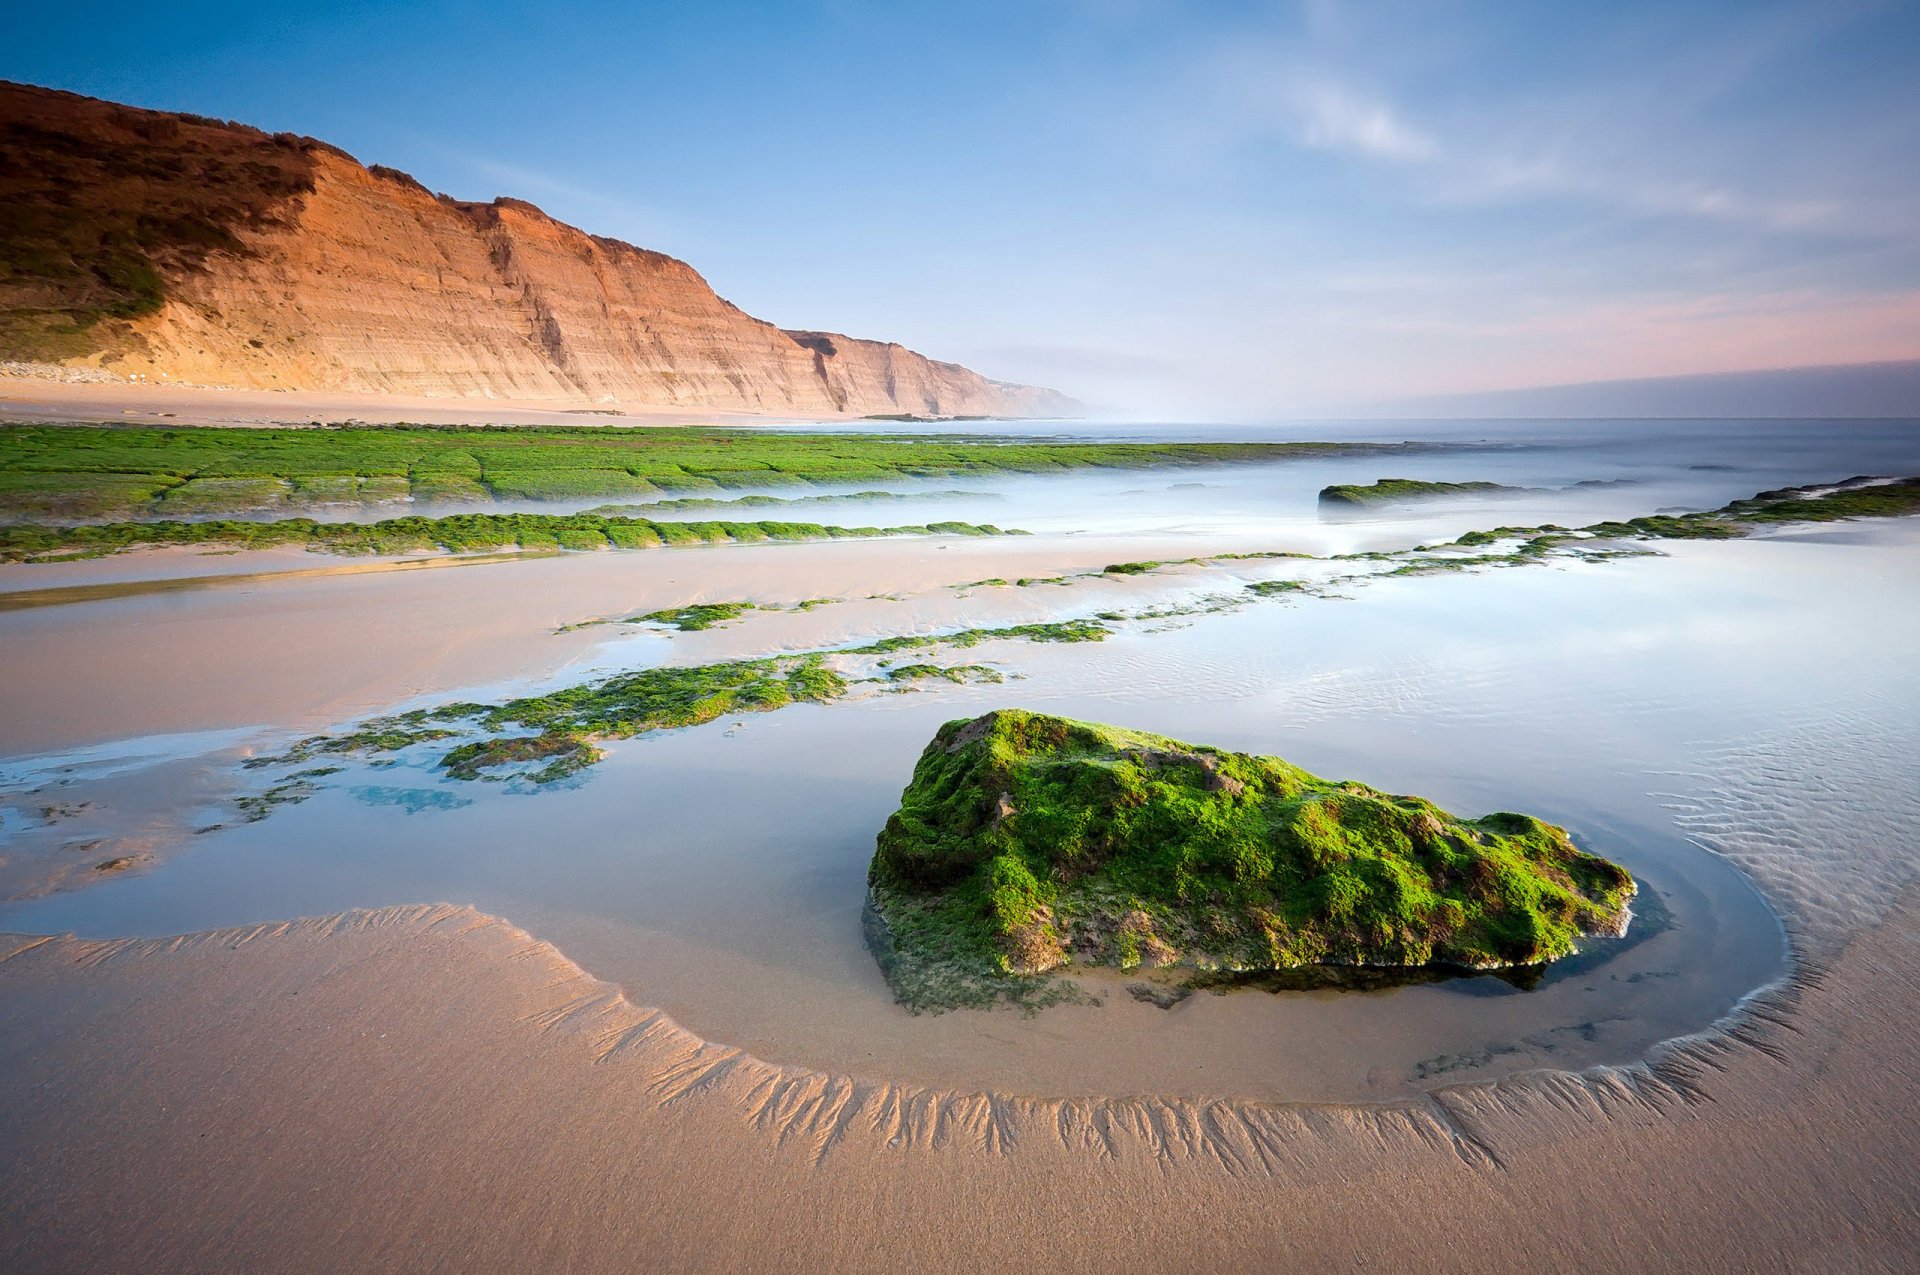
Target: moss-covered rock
(1027, 843)
(1396, 491)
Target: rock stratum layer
(172, 246)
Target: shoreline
(79, 401)
(583, 1003)
(455, 1037)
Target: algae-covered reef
(1395, 491)
(458, 533)
(93, 472)
(556, 734)
(1027, 843)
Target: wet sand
(414, 1070)
(742, 918)
(314, 641)
(462, 1091)
(26, 398)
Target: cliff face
(147, 243)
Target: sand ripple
(816, 1113)
(1823, 811)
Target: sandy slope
(431, 1086)
(28, 398)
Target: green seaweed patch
(1028, 844)
(697, 503)
(696, 617)
(289, 792)
(563, 753)
(1130, 568)
(1255, 556)
(95, 470)
(1864, 497)
(960, 673)
(1206, 604)
(379, 735)
(1276, 588)
(455, 533)
(561, 729)
(1393, 491)
(1056, 631)
(568, 722)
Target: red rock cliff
(145, 242)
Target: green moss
(1393, 491)
(467, 463)
(564, 753)
(693, 503)
(1858, 498)
(946, 672)
(698, 616)
(664, 698)
(1026, 843)
(457, 533)
(378, 735)
(1060, 631)
(1276, 588)
(561, 727)
(289, 792)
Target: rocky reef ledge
(1027, 845)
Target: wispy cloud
(1468, 165)
(1332, 117)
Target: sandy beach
(390, 1067)
(35, 398)
(1060, 638)
(646, 1000)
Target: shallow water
(719, 872)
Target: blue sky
(1165, 208)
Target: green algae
(1058, 631)
(376, 735)
(457, 533)
(1027, 843)
(665, 698)
(959, 673)
(1276, 588)
(696, 617)
(290, 791)
(1393, 491)
(551, 736)
(1854, 498)
(562, 752)
(692, 503)
(88, 471)
(1863, 497)
(569, 721)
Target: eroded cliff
(148, 243)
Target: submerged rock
(1029, 843)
